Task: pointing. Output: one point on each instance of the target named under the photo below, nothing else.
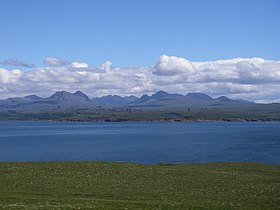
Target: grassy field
(105, 185)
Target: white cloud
(106, 66)
(55, 61)
(247, 78)
(171, 65)
(11, 76)
(79, 65)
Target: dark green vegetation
(104, 185)
(160, 106)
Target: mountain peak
(159, 94)
(143, 98)
(131, 98)
(116, 100)
(33, 97)
(61, 95)
(82, 95)
(223, 98)
(202, 96)
(66, 96)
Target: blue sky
(138, 32)
(136, 47)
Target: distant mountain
(131, 98)
(66, 98)
(223, 98)
(159, 106)
(191, 100)
(59, 101)
(141, 100)
(162, 94)
(33, 97)
(13, 102)
(82, 95)
(115, 100)
(154, 99)
(199, 96)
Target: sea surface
(140, 142)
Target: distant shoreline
(139, 163)
(152, 121)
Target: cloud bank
(254, 79)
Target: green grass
(105, 185)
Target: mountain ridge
(116, 100)
(160, 106)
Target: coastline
(155, 121)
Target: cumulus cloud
(55, 61)
(246, 78)
(106, 66)
(7, 76)
(79, 65)
(16, 62)
(171, 65)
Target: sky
(139, 46)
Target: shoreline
(137, 163)
(143, 121)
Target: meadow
(112, 185)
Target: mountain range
(63, 99)
(78, 105)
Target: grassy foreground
(105, 185)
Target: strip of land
(159, 107)
(106, 185)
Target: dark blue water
(140, 142)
